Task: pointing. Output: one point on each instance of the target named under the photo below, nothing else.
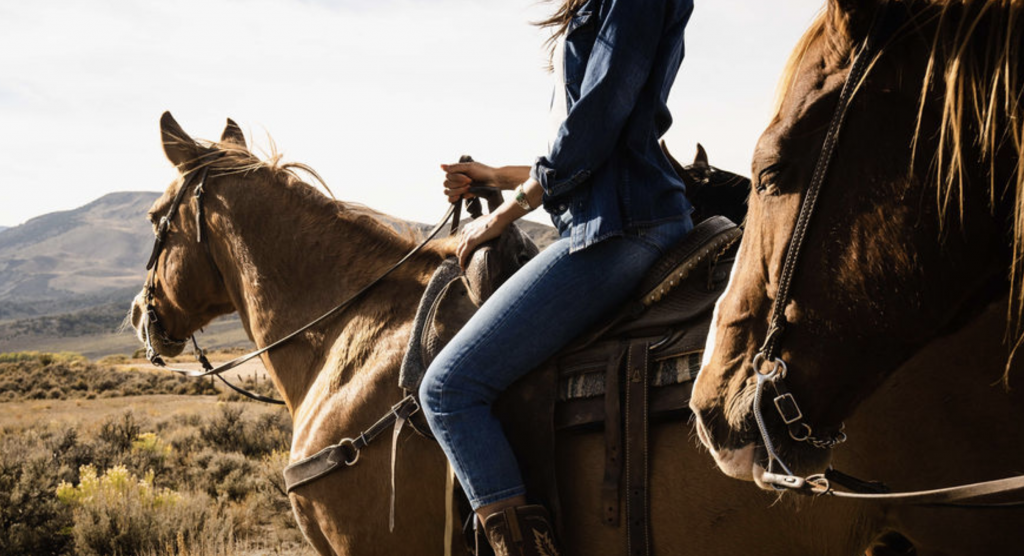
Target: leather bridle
(770, 369)
(151, 326)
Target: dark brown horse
(280, 253)
(918, 229)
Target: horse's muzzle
(149, 331)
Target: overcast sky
(374, 94)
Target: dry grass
(86, 414)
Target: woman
(617, 204)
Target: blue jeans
(551, 300)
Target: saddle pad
(413, 365)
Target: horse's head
(909, 236)
(184, 290)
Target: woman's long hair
(559, 22)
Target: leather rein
(770, 369)
(151, 324)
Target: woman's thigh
(551, 300)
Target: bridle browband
(770, 369)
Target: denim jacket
(605, 165)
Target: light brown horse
(918, 229)
(280, 253)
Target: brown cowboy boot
(521, 531)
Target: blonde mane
(975, 64)
(228, 158)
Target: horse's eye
(766, 180)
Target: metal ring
(778, 371)
(352, 444)
(807, 432)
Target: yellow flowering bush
(150, 443)
(117, 512)
(116, 485)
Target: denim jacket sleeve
(617, 69)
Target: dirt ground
(86, 413)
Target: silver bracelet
(521, 199)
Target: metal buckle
(794, 433)
(788, 409)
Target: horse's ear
(233, 134)
(853, 17)
(702, 157)
(178, 146)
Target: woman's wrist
(512, 209)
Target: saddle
(643, 359)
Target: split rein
(770, 369)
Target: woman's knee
(430, 394)
(447, 390)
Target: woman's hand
(478, 231)
(458, 178)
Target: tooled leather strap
(882, 27)
(638, 540)
(612, 440)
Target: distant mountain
(2, 228)
(92, 250)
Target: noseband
(769, 367)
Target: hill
(67, 278)
(94, 250)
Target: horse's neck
(945, 415)
(295, 259)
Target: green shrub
(222, 470)
(227, 474)
(120, 432)
(33, 521)
(118, 513)
(229, 431)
